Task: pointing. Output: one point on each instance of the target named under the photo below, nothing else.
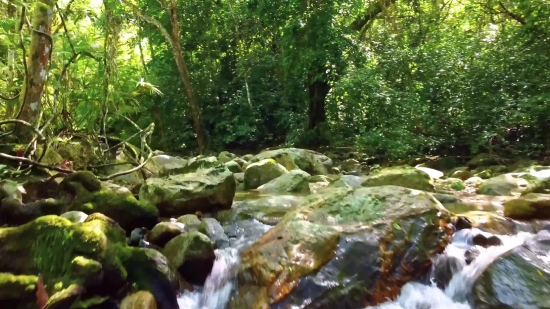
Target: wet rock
(204, 190)
(164, 232)
(309, 161)
(444, 269)
(373, 231)
(213, 229)
(463, 223)
(471, 254)
(404, 176)
(500, 185)
(262, 172)
(530, 206)
(139, 300)
(485, 242)
(233, 167)
(295, 181)
(353, 173)
(82, 191)
(192, 254)
(518, 280)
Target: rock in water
(203, 190)
(193, 254)
(519, 280)
(375, 233)
(214, 230)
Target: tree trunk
(185, 78)
(38, 59)
(318, 92)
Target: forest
(252, 154)
(389, 78)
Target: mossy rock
(92, 255)
(404, 176)
(14, 212)
(262, 172)
(17, 290)
(82, 191)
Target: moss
(12, 286)
(90, 197)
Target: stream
(423, 294)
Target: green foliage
(421, 77)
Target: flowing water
(219, 284)
(415, 295)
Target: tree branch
(511, 15)
(151, 20)
(371, 12)
(32, 162)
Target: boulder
(190, 222)
(226, 156)
(204, 190)
(91, 256)
(295, 181)
(268, 210)
(461, 173)
(500, 185)
(82, 191)
(530, 206)
(139, 300)
(233, 167)
(192, 254)
(309, 161)
(528, 287)
(404, 176)
(15, 212)
(164, 165)
(213, 229)
(262, 172)
(374, 233)
(164, 232)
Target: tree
(38, 60)
(175, 42)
